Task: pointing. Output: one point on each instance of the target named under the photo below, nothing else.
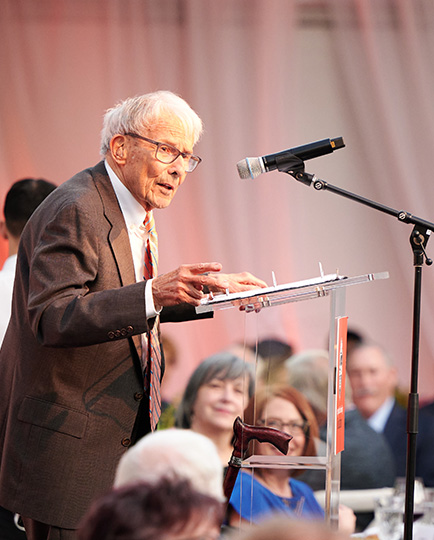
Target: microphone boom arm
(320, 185)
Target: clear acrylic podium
(334, 286)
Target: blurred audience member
(354, 339)
(373, 379)
(170, 509)
(428, 408)
(283, 528)
(308, 371)
(173, 453)
(21, 201)
(218, 391)
(269, 491)
(272, 354)
(367, 461)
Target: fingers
(242, 282)
(186, 284)
(201, 268)
(251, 281)
(183, 285)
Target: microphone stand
(418, 240)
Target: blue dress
(256, 502)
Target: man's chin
(157, 204)
(162, 202)
(366, 409)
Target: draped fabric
(264, 76)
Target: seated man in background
(373, 379)
(367, 461)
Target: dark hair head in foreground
(169, 509)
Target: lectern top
(281, 294)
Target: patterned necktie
(152, 354)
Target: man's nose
(179, 166)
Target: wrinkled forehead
(172, 129)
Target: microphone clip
(418, 240)
(295, 167)
(303, 177)
(290, 163)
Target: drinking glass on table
(389, 516)
(419, 489)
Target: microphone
(284, 161)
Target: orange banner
(340, 363)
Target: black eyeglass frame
(303, 426)
(193, 160)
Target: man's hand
(235, 282)
(183, 285)
(186, 284)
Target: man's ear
(118, 149)
(3, 230)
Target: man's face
(372, 379)
(152, 183)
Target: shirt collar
(133, 212)
(378, 420)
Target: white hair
(138, 114)
(179, 453)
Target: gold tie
(153, 352)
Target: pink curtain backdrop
(264, 76)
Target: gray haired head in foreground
(179, 453)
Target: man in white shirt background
(21, 200)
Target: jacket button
(138, 396)
(129, 329)
(124, 332)
(110, 335)
(117, 333)
(126, 442)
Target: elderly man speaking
(81, 362)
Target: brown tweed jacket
(70, 381)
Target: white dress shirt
(379, 419)
(7, 276)
(134, 215)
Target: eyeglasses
(166, 153)
(293, 428)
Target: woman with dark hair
(169, 509)
(218, 391)
(268, 491)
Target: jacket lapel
(118, 236)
